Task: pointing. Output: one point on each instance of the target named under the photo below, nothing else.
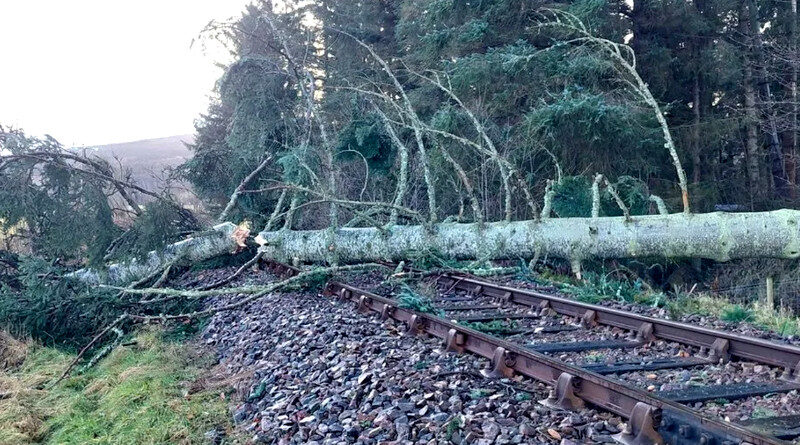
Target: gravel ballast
(324, 374)
(310, 369)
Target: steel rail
(600, 391)
(726, 343)
(652, 420)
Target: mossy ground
(155, 391)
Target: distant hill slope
(148, 159)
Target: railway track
(608, 358)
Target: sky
(91, 72)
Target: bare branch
(235, 196)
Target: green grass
(601, 287)
(453, 426)
(154, 392)
(736, 314)
(521, 396)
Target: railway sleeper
(719, 345)
(782, 427)
(735, 391)
(672, 425)
(643, 365)
(495, 316)
(581, 346)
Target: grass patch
(148, 393)
(596, 288)
(760, 412)
(522, 396)
(453, 426)
(736, 314)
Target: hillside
(149, 162)
(147, 159)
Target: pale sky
(90, 72)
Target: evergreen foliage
(542, 99)
(148, 232)
(366, 137)
(58, 211)
(55, 309)
(573, 197)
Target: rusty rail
(722, 344)
(651, 420)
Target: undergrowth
(408, 299)
(152, 392)
(57, 310)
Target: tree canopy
(447, 82)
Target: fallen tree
(718, 236)
(219, 240)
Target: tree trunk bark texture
(718, 236)
(218, 241)
(750, 117)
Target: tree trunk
(718, 236)
(696, 167)
(750, 116)
(215, 242)
(777, 166)
(751, 134)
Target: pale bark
(236, 193)
(613, 190)
(303, 74)
(596, 195)
(718, 236)
(402, 179)
(462, 175)
(218, 241)
(288, 220)
(273, 218)
(505, 169)
(416, 126)
(625, 59)
(660, 205)
(549, 194)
